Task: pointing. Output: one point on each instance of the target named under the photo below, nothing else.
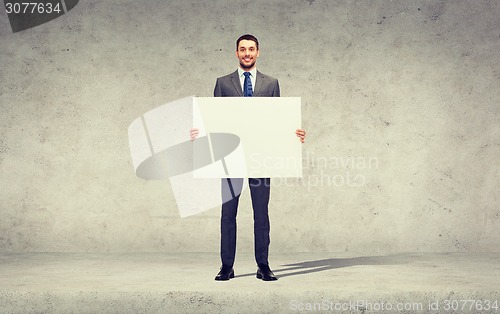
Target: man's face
(247, 53)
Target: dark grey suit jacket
(230, 86)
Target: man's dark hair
(247, 37)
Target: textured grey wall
(400, 100)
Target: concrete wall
(401, 101)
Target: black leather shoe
(226, 272)
(265, 273)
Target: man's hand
(193, 133)
(301, 134)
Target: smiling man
(246, 81)
(247, 50)
(259, 84)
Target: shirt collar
(253, 72)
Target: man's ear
(258, 53)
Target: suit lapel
(235, 79)
(258, 84)
(236, 83)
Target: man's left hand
(301, 134)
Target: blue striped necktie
(247, 85)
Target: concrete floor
(308, 282)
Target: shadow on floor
(308, 267)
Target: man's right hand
(193, 133)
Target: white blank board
(266, 127)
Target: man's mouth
(247, 59)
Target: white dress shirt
(253, 77)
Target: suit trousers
(260, 192)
